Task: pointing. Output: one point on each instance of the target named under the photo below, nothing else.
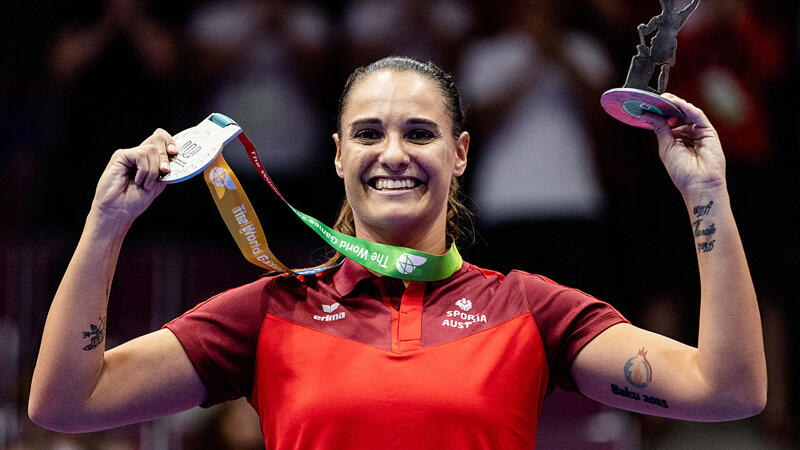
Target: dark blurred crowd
(557, 187)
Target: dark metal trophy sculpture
(627, 103)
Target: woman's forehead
(387, 92)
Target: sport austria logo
(407, 263)
(329, 317)
(460, 319)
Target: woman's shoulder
(515, 276)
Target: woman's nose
(394, 157)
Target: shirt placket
(406, 327)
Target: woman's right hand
(130, 181)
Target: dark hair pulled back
(405, 64)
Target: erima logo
(330, 308)
(407, 263)
(330, 317)
(464, 304)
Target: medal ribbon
(242, 222)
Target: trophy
(627, 103)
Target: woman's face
(397, 154)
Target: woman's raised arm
(725, 377)
(77, 386)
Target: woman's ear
(462, 148)
(338, 160)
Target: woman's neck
(435, 244)
(433, 240)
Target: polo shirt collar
(348, 275)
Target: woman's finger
(153, 154)
(142, 166)
(165, 144)
(660, 127)
(694, 115)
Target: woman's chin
(399, 220)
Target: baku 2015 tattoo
(701, 231)
(639, 373)
(633, 395)
(96, 334)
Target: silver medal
(198, 147)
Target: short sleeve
(220, 337)
(567, 319)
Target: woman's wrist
(101, 224)
(716, 192)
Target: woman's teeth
(384, 183)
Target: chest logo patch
(407, 263)
(458, 318)
(329, 317)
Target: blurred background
(550, 172)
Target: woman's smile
(394, 184)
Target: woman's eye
(367, 134)
(420, 135)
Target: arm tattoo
(96, 334)
(637, 370)
(701, 231)
(638, 373)
(702, 210)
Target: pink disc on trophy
(627, 106)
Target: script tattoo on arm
(96, 334)
(703, 232)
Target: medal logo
(407, 263)
(222, 180)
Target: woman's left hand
(691, 153)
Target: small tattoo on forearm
(700, 232)
(702, 210)
(705, 247)
(96, 334)
(703, 232)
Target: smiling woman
(348, 358)
(442, 124)
(397, 155)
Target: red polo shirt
(347, 359)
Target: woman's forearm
(730, 344)
(71, 354)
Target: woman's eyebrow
(420, 121)
(367, 121)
